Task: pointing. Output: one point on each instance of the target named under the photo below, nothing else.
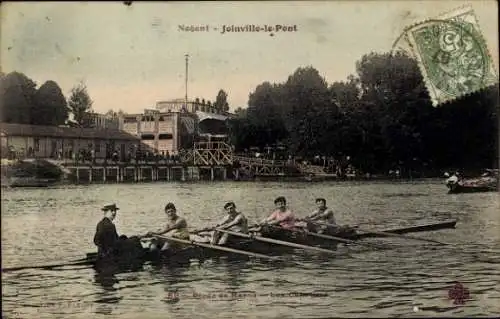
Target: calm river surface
(410, 280)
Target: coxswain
(176, 227)
(322, 218)
(233, 221)
(281, 216)
(106, 238)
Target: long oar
(383, 233)
(387, 234)
(278, 242)
(83, 261)
(338, 239)
(343, 240)
(221, 248)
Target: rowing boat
(351, 233)
(195, 250)
(183, 255)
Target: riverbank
(49, 172)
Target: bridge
(251, 166)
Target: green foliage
(23, 103)
(381, 117)
(51, 104)
(80, 104)
(17, 93)
(37, 168)
(221, 101)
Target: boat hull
(184, 255)
(458, 189)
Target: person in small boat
(281, 216)
(321, 219)
(106, 238)
(110, 246)
(453, 179)
(176, 227)
(234, 221)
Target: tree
(80, 104)
(240, 112)
(111, 114)
(50, 105)
(395, 109)
(17, 93)
(306, 97)
(221, 101)
(264, 113)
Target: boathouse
(175, 125)
(42, 141)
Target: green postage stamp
(452, 55)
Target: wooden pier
(206, 161)
(145, 173)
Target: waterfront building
(175, 125)
(58, 142)
(104, 121)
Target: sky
(130, 57)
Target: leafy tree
(17, 93)
(80, 104)
(265, 115)
(381, 117)
(306, 97)
(240, 112)
(50, 105)
(221, 101)
(112, 114)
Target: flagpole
(186, 87)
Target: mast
(186, 86)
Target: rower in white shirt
(323, 217)
(234, 221)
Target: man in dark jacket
(106, 238)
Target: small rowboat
(458, 188)
(488, 182)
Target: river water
(411, 279)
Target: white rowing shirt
(327, 216)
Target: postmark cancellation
(452, 55)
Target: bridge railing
(260, 161)
(212, 145)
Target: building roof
(12, 129)
(210, 116)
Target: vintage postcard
(274, 159)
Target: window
(147, 137)
(37, 144)
(165, 136)
(97, 147)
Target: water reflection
(107, 280)
(375, 283)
